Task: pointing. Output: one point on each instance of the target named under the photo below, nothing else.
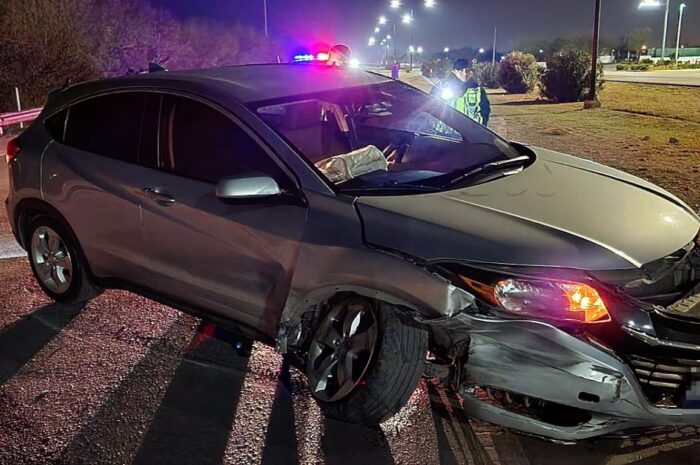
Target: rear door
(233, 258)
(91, 173)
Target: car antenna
(154, 67)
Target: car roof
(244, 83)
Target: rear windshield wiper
(490, 168)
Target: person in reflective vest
(461, 91)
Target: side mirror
(247, 186)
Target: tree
(567, 78)
(41, 46)
(635, 39)
(518, 73)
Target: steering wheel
(394, 153)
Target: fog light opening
(588, 397)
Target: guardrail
(8, 119)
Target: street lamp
(382, 20)
(395, 4)
(376, 30)
(407, 18)
(429, 3)
(653, 4)
(419, 50)
(481, 50)
(446, 50)
(680, 23)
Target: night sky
(453, 23)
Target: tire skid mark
(413, 429)
(254, 410)
(53, 397)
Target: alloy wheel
(342, 349)
(52, 260)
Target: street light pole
(493, 59)
(594, 58)
(663, 45)
(678, 38)
(265, 15)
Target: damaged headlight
(558, 300)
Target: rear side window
(203, 144)
(109, 125)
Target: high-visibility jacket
(470, 104)
(466, 97)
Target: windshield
(384, 137)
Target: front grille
(668, 383)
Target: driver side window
(201, 143)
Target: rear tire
(57, 263)
(392, 373)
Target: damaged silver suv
(373, 234)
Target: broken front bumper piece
(535, 378)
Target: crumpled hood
(562, 211)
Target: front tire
(56, 261)
(379, 355)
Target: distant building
(686, 55)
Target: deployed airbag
(346, 166)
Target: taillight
(13, 149)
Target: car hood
(561, 211)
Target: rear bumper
(10, 217)
(594, 391)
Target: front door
(233, 258)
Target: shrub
(623, 67)
(518, 73)
(568, 75)
(486, 74)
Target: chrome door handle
(157, 194)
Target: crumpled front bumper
(539, 361)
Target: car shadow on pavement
(193, 422)
(20, 342)
(115, 432)
(456, 439)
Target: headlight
(560, 300)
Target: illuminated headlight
(556, 300)
(447, 94)
(354, 63)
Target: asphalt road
(681, 77)
(124, 380)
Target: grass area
(649, 131)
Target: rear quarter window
(56, 125)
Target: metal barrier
(8, 119)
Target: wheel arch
(30, 208)
(300, 314)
